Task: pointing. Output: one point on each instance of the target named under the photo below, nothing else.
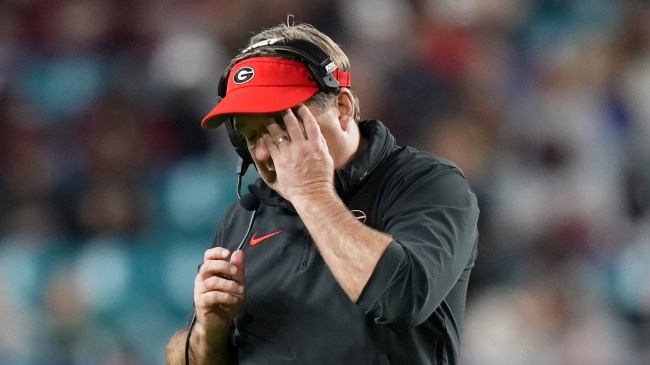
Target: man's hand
(218, 296)
(302, 161)
(305, 176)
(219, 291)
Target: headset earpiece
(223, 85)
(238, 141)
(318, 61)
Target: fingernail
(240, 289)
(233, 270)
(225, 252)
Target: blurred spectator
(553, 318)
(110, 208)
(629, 289)
(115, 154)
(29, 178)
(16, 303)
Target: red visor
(266, 85)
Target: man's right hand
(219, 291)
(219, 295)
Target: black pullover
(411, 310)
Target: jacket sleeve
(432, 216)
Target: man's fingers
(216, 297)
(237, 259)
(220, 281)
(216, 253)
(312, 130)
(215, 283)
(275, 130)
(216, 268)
(294, 128)
(273, 149)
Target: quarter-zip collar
(380, 144)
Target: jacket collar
(380, 144)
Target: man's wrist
(310, 196)
(206, 345)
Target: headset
(320, 66)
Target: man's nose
(261, 152)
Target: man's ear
(345, 104)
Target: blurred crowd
(110, 191)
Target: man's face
(254, 126)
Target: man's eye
(250, 137)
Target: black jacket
(410, 312)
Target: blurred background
(110, 191)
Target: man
(360, 250)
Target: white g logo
(243, 75)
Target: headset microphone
(242, 166)
(250, 202)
